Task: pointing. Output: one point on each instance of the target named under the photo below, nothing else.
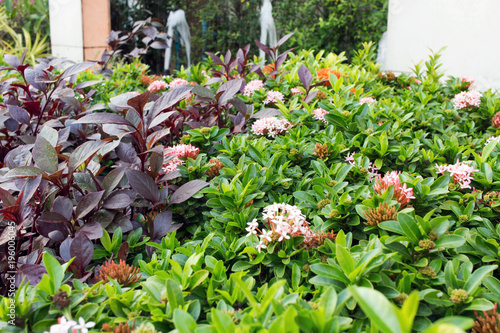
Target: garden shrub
(306, 194)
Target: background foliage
(331, 25)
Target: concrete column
(79, 29)
(66, 34)
(96, 27)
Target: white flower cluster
(64, 326)
(284, 220)
(271, 126)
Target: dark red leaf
(93, 230)
(53, 226)
(31, 273)
(168, 100)
(63, 206)
(126, 153)
(284, 39)
(138, 102)
(117, 201)
(144, 185)
(267, 113)
(82, 249)
(19, 114)
(88, 203)
(229, 89)
(162, 224)
(305, 76)
(103, 118)
(75, 69)
(123, 251)
(186, 191)
(64, 249)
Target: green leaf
(330, 272)
(87, 311)
(410, 227)
(328, 301)
(344, 259)
(270, 295)
(377, 308)
(450, 241)
(443, 328)
(174, 294)
(474, 281)
(296, 275)
(461, 322)
(409, 311)
(183, 321)
(106, 241)
(222, 322)
(198, 278)
(479, 304)
(305, 196)
(54, 271)
(244, 288)
(487, 150)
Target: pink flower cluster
(417, 81)
(283, 221)
(271, 126)
(63, 326)
(460, 171)
(495, 121)
(320, 114)
(467, 99)
(157, 85)
(296, 91)
(401, 193)
(178, 82)
(274, 97)
(181, 153)
(467, 79)
(367, 100)
(252, 86)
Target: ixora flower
(157, 86)
(178, 82)
(181, 153)
(468, 80)
(274, 97)
(467, 99)
(271, 126)
(319, 114)
(493, 138)
(460, 171)
(71, 326)
(285, 221)
(495, 121)
(296, 91)
(367, 100)
(252, 86)
(324, 74)
(401, 193)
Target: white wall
(66, 32)
(469, 28)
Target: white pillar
(469, 28)
(66, 29)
